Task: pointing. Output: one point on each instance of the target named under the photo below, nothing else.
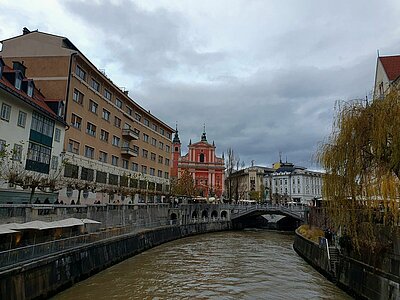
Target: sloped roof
(37, 100)
(391, 64)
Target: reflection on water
(224, 265)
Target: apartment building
(31, 137)
(248, 183)
(115, 149)
(290, 183)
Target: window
(42, 124)
(57, 134)
(95, 85)
(5, 112)
(38, 153)
(136, 149)
(106, 115)
(114, 160)
(107, 94)
(153, 156)
(144, 170)
(78, 96)
(115, 141)
(91, 129)
(201, 157)
(76, 121)
(54, 162)
(154, 127)
(162, 131)
(145, 138)
(168, 135)
(118, 103)
(93, 106)
(160, 159)
(18, 81)
(101, 177)
(103, 156)
(30, 89)
(145, 153)
(154, 142)
(17, 152)
(146, 122)
(135, 167)
(161, 145)
(117, 122)
(80, 73)
(152, 171)
(166, 175)
(73, 146)
(159, 173)
(21, 119)
(167, 161)
(167, 148)
(129, 110)
(125, 164)
(138, 117)
(87, 174)
(104, 135)
(89, 152)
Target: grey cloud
(282, 100)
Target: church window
(202, 157)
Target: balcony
(129, 133)
(128, 151)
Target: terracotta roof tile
(38, 99)
(391, 64)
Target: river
(225, 265)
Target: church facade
(207, 169)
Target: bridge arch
(195, 214)
(224, 214)
(173, 216)
(214, 214)
(204, 214)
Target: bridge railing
(293, 210)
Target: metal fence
(13, 257)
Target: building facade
(201, 161)
(248, 184)
(115, 149)
(31, 136)
(290, 183)
(386, 74)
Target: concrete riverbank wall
(358, 279)
(48, 275)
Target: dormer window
(18, 80)
(30, 89)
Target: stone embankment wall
(46, 276)
(355, 277)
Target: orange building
(207, 169)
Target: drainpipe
(68, 84)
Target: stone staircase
(334, 260)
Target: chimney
(25, 31)
(126, 93)
(19, 66)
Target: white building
(30, 131)
(290, 183)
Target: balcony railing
(125, 150)
(130, 134)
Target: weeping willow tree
(362, 162)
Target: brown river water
(225, 265)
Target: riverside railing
(13, 257)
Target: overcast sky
(263, 76)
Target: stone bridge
(294, 211)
